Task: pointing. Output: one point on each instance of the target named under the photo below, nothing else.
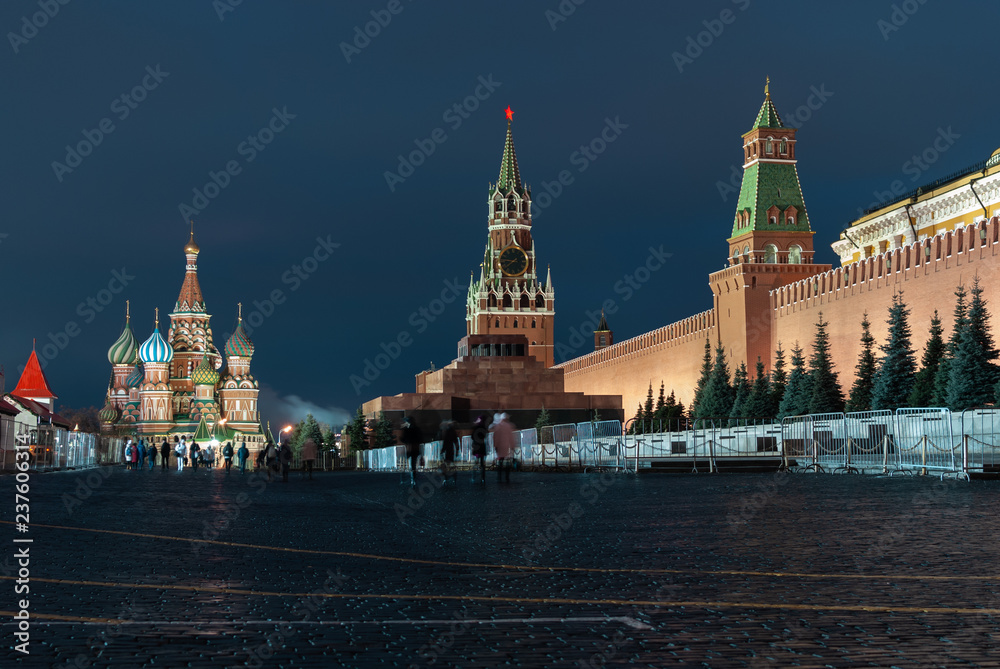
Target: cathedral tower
(510, 297)
(155, 407)
(771, 243)
(238, 394)
(190, 335)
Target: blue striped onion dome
(204, 374)
(122, 352)
(135, 377)
(155, 349)
(239, 344)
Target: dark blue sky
(885, 95)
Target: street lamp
(285, 430)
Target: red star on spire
(510, 114)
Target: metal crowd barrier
(981, 441)
(816, 442)
(871, 440)
(926, 442)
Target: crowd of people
(142, 453)
(504, 442)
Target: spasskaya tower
(510, 297)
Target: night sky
(883, 85)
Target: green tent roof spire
(510, 175)
(767, 117)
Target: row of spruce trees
(958, 374)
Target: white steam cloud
(290, 409)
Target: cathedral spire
(190, 300)
(767, 117)
(510, 176)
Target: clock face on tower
(513, 261)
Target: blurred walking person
(227, 455)
(449, 444)
(242, 455)
(152, 452)
(164, 453)
(180, 449)
(412, 439)
(503, 444)
(479, 433)
(308, 457)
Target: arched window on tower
(540, 302)
(515, 323)
(511, 205)
(525, 302)
(493, 301)
(794, 254)
(784, 147)
(770, 253)
(497, 323)
(769, 148)
(532, 322)
(508, 303)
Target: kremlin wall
(924, 245)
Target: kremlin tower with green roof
(511, 297)
(771, 244)
(169, 386)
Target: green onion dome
(239, 345)
(109, 414)
(122, 352)
(136, 377)
(204, 374)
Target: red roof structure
(8, 408)
(42, 412)
(33, 384)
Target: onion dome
(109, 414)
(204, 374)
(191, 247)
(156, 349)
(239, 344)
(135, 377)
(122, 352)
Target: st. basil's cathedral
(182, 385)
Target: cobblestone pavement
(179, 569)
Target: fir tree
(973, 374)
(718, 393)
(861, 391)
(308, 429)
(897, 368)
(827, 396)
(647, 410)
(943, 376)
(659, 413)
(706, 374)
(636, 427)
(760, 404)
(795, 400)
(355, 431)
(383, 432)
(779, 379)
(934, 350)
(741, 392)
(543, 420)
